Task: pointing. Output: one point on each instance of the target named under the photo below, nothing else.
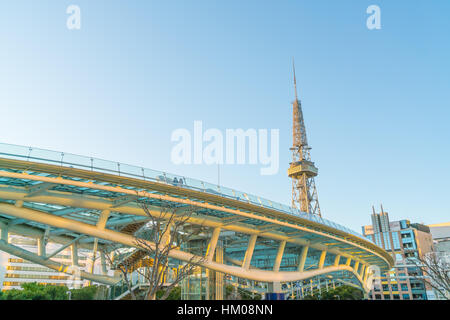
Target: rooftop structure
(404, 241)
(71, 199)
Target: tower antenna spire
(295, 80)
(302, 170)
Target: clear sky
(376, 102)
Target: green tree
(36, 291)
(85, 293)
(340, 293)
(175, 294)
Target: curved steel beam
(89, 202)
(37, 233)
(368, 246)
(84, 228)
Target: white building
(441, 242)
(14, 271)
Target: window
(396, 297)
(378, 297)
(406, 297)
(377, 239)
(387, 241)
(395, 240)
(416, 286)
(406, 235)
(387, 297)
(407, 245)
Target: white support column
(101, 223)
(366, 274)
(4, 233)
(102, 219)
(349, 261)
(212, 244)
(356, 266)
(337, 259)
(363, 267)
(323, 255)
(302, 260)
(249, 252)
(41, 247)
(274, 287)
(279, 257)
(74, 253)
(103, 262)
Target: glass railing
(98, 165)
(117, 290)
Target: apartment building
(15, 271)
(405, 241)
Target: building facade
(15, 271)
(405, 241)
(441, 242)
(441, 237)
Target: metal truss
(79, 213)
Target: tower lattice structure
(302, 170)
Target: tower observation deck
(302, 170)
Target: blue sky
(376, 102)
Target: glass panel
(74, 161)
(87, 163)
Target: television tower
(302, 170)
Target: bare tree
(167, 230)
(436, 268)
(125, 267)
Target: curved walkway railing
(98, 165)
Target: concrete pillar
(41, 247)
(103, 262)
(101, 223)
(274, 287)
(219, 275)
(323, 255)
(363, 267)
(4, 233)
(279, 257)
(336, 260)
(349, 261)
(249, 252)
(74, 253)
(212, 244)
(356, 267)
(302, 260)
